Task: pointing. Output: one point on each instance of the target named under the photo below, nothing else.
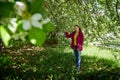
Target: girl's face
(76, 28)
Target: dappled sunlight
(99, 53)
(68, 50)
(55, 64)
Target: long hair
(78, 27)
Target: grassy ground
(58, 64)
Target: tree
(97, 18)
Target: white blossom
(26, 24)
(36, 16)
(34, 21)
(45, 21)
(13, 25)
(20, 7)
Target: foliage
(97, 18)
(4, 61)
(21, 19)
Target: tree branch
(117, 9)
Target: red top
(80, 39)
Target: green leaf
(37, 7)
(4, 35)
(37, 36)
(48, 27)
(6, 9)
(19, 27)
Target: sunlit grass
(93, 51)
(97, 52)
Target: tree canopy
(99, 19)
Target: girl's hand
(77, 49)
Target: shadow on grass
(55, 65)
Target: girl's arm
(68, 35)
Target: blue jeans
(77, 56)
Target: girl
(77, 43)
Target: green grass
(58, 64)
(99, 53)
